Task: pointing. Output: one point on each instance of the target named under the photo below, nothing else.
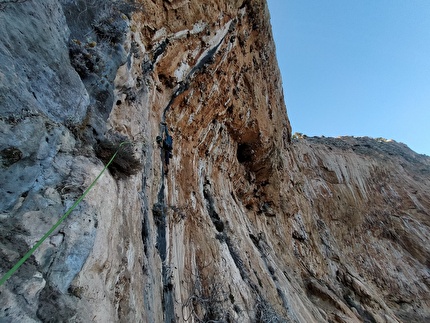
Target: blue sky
(356, 67)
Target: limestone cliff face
(244, 224)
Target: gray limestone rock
(35, 69)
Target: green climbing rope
(47, 234)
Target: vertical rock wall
(243, 224)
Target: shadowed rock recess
(242, 224)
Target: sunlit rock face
(244, 223)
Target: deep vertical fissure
(159, 212)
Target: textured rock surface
(245, 224)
